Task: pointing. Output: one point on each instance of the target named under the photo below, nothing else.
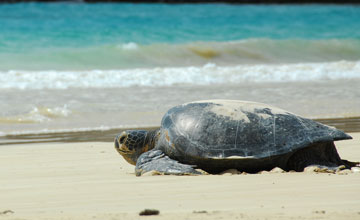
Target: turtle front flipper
(157, 161)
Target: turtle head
(132, 143)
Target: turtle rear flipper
(157, 161)
(321, 156)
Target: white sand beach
(73, 76)
(91, 181)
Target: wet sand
(350, 124)
(89, 180)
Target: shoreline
(351, 124)
(89, 180)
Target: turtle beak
(117, 147)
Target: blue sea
(76, 66)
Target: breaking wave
(134, 55)
(154, 77)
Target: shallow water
(85, 109)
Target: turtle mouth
(124, 151)
(127, 154)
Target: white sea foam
(38, 115)
(206, 75)
(129, 46)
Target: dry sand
(91, 181)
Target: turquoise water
(112, 36)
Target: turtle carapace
(216, 135)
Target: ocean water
(83, 67)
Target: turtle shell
(228, 129)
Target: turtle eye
(122, 138)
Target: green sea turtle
(217, 135)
